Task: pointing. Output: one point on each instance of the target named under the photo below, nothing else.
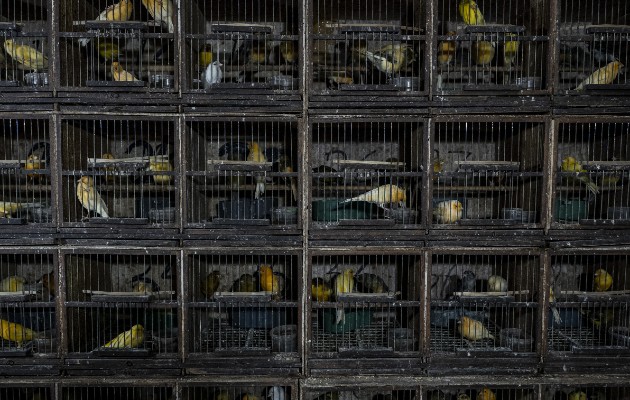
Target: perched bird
(25, 55)
(510, 49)
(603, 280)
(577, 395)
(16, 333)
(274, 393)
(257, 53)
(9, 208)
(36, 158)
(446, 50)
(497, 283)
(120, 11)
(205, 56)
(213, 74)
(486, 394)
(448, 211)
(463, 396)
(389, 59)
(245, 283)
(249, 396)
(89, 198)
(109, 170)
(438, 163)
(472, 329)
(120, 75)
(33, 162)
(603, 76)
(130, 339)
(320, 290)
(12, 283)
(382, 195)
(221, 395)
(284, 165)
(483, 52)
(142, 283)
(256, 155)
(570, 164)
(470, 12)
(270, 281)
(234, 150)
(554, 310)
(370, 283)
(108, 50)
(288, 52)
(162, 11)
(160, 163)
(211, 283)
(344, 283)
(48, 281)
(469, 281)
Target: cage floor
(368, 337)
(568, 338)
(223, 336)
(448, 340)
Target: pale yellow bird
(446, 50)
(472, 329)
(603, 76)
(120, 11)
(570, 164)
(603, 280)
(161, 11)
(8, 208)
(12, 283)
(16, 333)
(344, 283)
(120, 75)
(497, 283)
(448, 211)
(288, 52)
(90, 198)
(256, 155)
(486, 394)
(554, 309)
(470, 12)
(510, 49)
(130, 339)
(25, 55)
(483, 52)
(389, 59)
(160, 164)
(33, 162)
(384, 196)
(577, 395)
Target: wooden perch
(491, 294)
(373, 165)
(242, 296)
(230, 165)
(606, 165)
(603, 294)
(489, 165)
(118, 162)
(11, 163)
(349, 297)
(494, 28)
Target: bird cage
(25, 37)
(592, 172)
(119, 172)
(373, 47)
(482, 392)
(26, 391)
(487, 173)
(366, 391)
(25, 179)
(364, 306)
(239, 389)
(118, 390)
(122, 304)
(244, 304)
(366, 173)
(588, 306)
(593, 47)
(117, 45)
(242, 173)
(485, 45)
(484, 304)
(582, 391)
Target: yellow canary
(211, 283)
(25, 55)
(258, 54)
(382, 195)
(472, 329)
(256, 155)
(33, 162)
(288, 53)
(483, 52)
(570, 164)
(577, 395)
(120, 11)
(142, 287)
(603, 76)
(8, 208)
(120, 75)
(245, 283)
(510, 49)
(497, 283)
(320, 290)
(389, 59)
(610, 180)
(446, 50)
(109, 170)
(89, 198)
(270, 282)
(205, 57)
(486, 394)
(160, 164)
(603, 280)
(162, 11)
(344, 283)
(448, 211)
(12, 284)
(108, 50)
(130, 339)
(470, 12)
(554, 309)
(16, 332)
(221, 395)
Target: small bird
(161, 11)
(256, 155)
(288, 52)
(142, 283)
(160, 163)
(438, 163)
(213, 74)
(577, 395)
(32, 163)
(469, 281)
(497, 283)
(344, 283)
(470, 12)
(25, 55)
(274, 393)
(320, 290)
(472, 329)
(12, 283)
(36, 158)
(270, 281)
(570, 164)
(108, 50)
(257, 53)
(245, 283)
(90, 198)
(9, 208)
(483, 52)
(108, 170)
(510, 49)
(382, 195)
(221, 395)
(130, 339)
(120, 11)
(284, 165)
(448, 211)
(120, 75)
(389, 59)
(370, 283)
(249, 396)
(603, 280)
(211, 284)
(16, 333)
(446, 50)
(205, 56)
(463, 396)
(603, 76)
(486, 394)
(48, 281)
(554, 310)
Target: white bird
(213, 74)
(497, 283)
(275, 393)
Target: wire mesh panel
(242, 172)
(23, 391)
(482, 392)
(363, 393)
(370, 45)
(122, 305)
(366, 173)
(117, 392)
(244, 305)
(24, 33)
(365, 304)
(27, 309)
(585, 391)
(594, 45)
(592, 171)
(242, 45)
(25, 185)
(483, 303)
(119, 171)
(487, 173)
(118, 44)
(240, 391)
(589, 304)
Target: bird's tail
(556, 315)
(260, 189)
(294, 189)
(590, 185)
(84, 41)
(340, 317)
(104, 214)
(170, 26)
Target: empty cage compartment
(117, 45)
(242, 172)
(244, 304)
(594, 44)
(250, 46)
(588, 307)
(241, 389)
(487, 173)
(368, 46)
(27, 391)
(485, 45)
(607, 389)
(106, 390)
(366, 172)
(122, 303)
(365, 305)
(592, 172)
(119, 171)
(367, 391)
(25, 179)
(484, 303)
(482, 392)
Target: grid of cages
(585, 391)
(117, 44)
(22, 391)
(244, 304)
(487, 173)
(25, 184)
(484, 303)
(248, 45)
(119, 171)
(381, 392)
(242, 172)
(24, 33)
(589, 312)
(482, 392)
(594, 45)
(368, 45)
(117, 392)
(122, 304)
(592, 174)
(487, 45)
(240, 391)
(365, 305)
(366, 173)
(27, 304)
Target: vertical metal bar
(427, 175)
(182, 302)
(554, 49)
(425, 304)
(549, 166)
(543, 309)
(430, 67)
